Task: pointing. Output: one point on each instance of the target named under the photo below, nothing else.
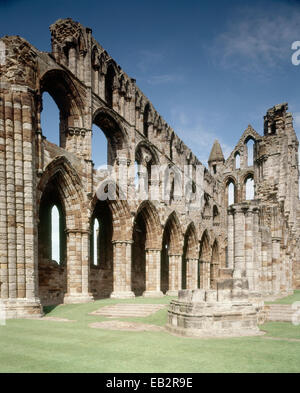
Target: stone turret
(216, 158)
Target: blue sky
(209, 68)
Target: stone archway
(114, 132)
(117, 219)
(204, 262)
(101, 251)
(62, 179)
(190, 258)
(171, 256)
(146, 251)
(67, 95)
(214, 266)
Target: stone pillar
(153, 273)
(201, 273)
(18, 245)
(175, 273)
(256, 250)
(230, 247)
(239, 243)
(276, 265)
(77, 267)
(249, 248)
(73, 60)
(192, 273)
(264, 262)
(101, 91)
(122, 269)
(206, 278)
(96, 81)
(283, 268)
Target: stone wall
(182, 244)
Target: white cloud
(257, 39)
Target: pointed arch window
(96, 246)
(146, 120)
(250, 151)
(249, 187)
(231, 192)
(237, 160)
(109, 85)
(55, 234)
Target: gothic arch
(111, 75)
(248, 186)
(68, 98)
(215, 259)
(174, 227)
(147, 120)
(115, 132)
(204, 261)
(227, 182)
(172, 244)
(120, 214)
(69, 187)
(101, 250)
(153, 225)
(144, 148)
(190, 251)
(237, 160)
(60, 186)
(146, 234)
(249, 160)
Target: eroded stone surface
(128, 326)
(129, 310)
(148, 248)
(221, 312)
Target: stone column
(18, 245)
(256, 250)
(249, 248)
(230, 234)
(153, 273)
(275, 265)
(201, 273)
(283, 268)
(101, 91)
(73, 60)
(239, 243)
(265, 262)
(96, 80)
(122, 269)
(175, 273)
(206, 275)
(192, 273)
(77, 267)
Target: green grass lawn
(288, 299)
(47, 346)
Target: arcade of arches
(63, 240)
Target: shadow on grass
(48, 309)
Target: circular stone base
(196, 333)
(212, 319)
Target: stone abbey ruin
(217, 247)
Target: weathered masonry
(246, 225)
